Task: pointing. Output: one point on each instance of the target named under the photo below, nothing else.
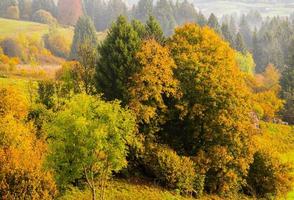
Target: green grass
(11, 28)
(126, 190)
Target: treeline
(175, 109)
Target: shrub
(11, 47)
(57, 43)
(44, 17)
(12, 12)
(268, 177)
(170, 169)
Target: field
(10, 28)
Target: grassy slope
(124, 190)
(10, 28)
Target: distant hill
(221, 7)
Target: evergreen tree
(201, 19)
(25, 9)
(47, 5)
(84, 33)
(213, 23)
(139, 27)
(143, 10)
(232, 26)
(226, 33)
(239, 44)
(245, 31)
(153, 30)
(115, 8)
(185, 12)
(117, 61)
(164, 13)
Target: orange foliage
(154, 82)
(21, 154)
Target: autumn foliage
(69, 11)
(22, 175)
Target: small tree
(84, 32)
(90, 141)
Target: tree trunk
(93, 193)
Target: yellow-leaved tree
(21, 154)
(214, 121)
(152, 85)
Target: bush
(57, 43)
(268, 177)
(12, 12)
(11, 47)
(44, 17)
(170, 169)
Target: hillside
(11, 28)
(221, 7)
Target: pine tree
(201, 19)
(47, 5)
(143, 10)
(85, 32)
(163, 11)
(213, 23)
(239, 44)
(153, 30)
(227, 34)
(246, 32)
(117, 61)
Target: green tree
(85, 32)
(213, 23)
(153, 30)
(48, 5)
(226, 33)
(246, 62)
(152, 85)
(163, 11)
(239, 44)
(143, 10)
(117, 61)
(287, 92)
(89, 141)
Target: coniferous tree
(25, 9)
(227, 35)
(143, 10)
(163, 11)
(47, 5)
(85, 32)
(201, 20)
(239, 44)
(140, 28)
(117, 61)
(153, 30)
(213, 23)
(245, 31)
(185, 12)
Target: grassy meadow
(10, 28)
